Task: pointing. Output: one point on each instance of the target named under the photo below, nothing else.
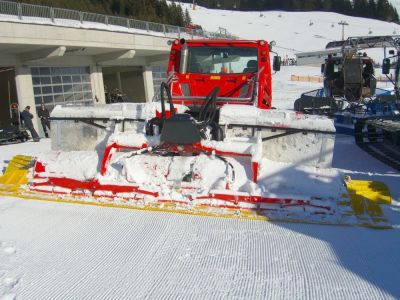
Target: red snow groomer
(241, 71)
(211, 146)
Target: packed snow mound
(202, 171)
(251, 115)
(112, 111)
(79, 165)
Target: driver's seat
(182, 129)
(251, 66)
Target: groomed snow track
(94, 252)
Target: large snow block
(81, 128)
(286, 136)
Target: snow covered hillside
(291, 30)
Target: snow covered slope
(291, 30)
(67, 251)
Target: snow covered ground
(58, 251)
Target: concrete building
(42, 61)
(315, 58)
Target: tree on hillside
(160, 11)
(327, 5)
(360, 7)
(187, 20)
(371, 12)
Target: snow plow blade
(352, 209)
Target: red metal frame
(230, 84)
(81, 187)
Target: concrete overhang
(157, 59)
(42, 54)
(115, 58)
(34, 44)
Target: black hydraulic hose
(166, 88)
(171, 104)
(163, 86)
(209, 107)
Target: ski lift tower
(343, 23)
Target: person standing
(27, 117)
(44, 116)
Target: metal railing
(31, 13)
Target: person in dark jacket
(44, 116)
(27, 117)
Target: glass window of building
(159, 75)
(59, 85)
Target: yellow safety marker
(374, 191)
(16, 173)
(366, 197)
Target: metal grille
(29, 10)
(9, 8)
(137, 24)
(156, 27)
(60, 13)
(118, 21)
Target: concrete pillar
(23, 83)
(119, 83)
(96, 78)
(148, 83)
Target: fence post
(147, 26)
(128, 25)
(106, 20)
(179, 32)
(163, 27)
(52, 14)
(19, 9)
(81, 17)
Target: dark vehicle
(349, 79)
(13, 134)
(351, 97)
